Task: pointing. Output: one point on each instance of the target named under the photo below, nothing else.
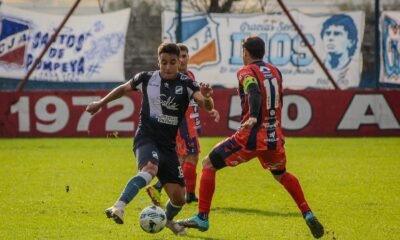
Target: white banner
(390, 48)
(214, 42)
(88, 48)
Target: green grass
(352, 185)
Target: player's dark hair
(170, 48)
(183, 47)
(255, 46)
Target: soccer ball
(152, 219)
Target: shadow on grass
(256, 211)
(201, 237)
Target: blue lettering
(52, 52)
(74, 65)
(36, 40)
(11, 44)
(60, 53)
(71, 41)
(79, 45)
(47, 66)
(56, 66)
(236, 39)
(23, 38)
(45, 39)
(64, 67)
(279, 49)
(208, 35)
(301, 57)
(81, 66)
(62, 37)
(29, 60)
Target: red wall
(305, 113)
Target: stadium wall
(305, 113)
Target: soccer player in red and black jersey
(187, 140)
(260, 136)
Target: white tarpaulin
(214, 42)
(88, 48)
(390, 47)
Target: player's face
(336, 40)
(184, 58)
(168, 64)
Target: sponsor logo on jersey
(166, 119)
(14, 39)
(200, 35)
(169, 103)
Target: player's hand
(93, 107)
(214, 114)
(250, 122)
(206, 90)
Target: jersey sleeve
(246, 77)
(192, 87)
(191, 75)
(137, 81)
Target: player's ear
(158, 62)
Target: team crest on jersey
(178, 90)
(14, 39)
(200, 35)
(154, 154)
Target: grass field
(352, 185)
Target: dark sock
(171, 210)
(132, 188)
(203, 216)
(158, 186)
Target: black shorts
(169, 170)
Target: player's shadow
(201, 237)
(256, 211)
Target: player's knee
(206, 163)
(178, 199)
(192, 158)
(278, 174)
(150, 167)
(215, 160)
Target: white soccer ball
(152, 219)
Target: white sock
(120, 204)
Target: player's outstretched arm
(116, 93)
(203, 97)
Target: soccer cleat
(154, 195)
(115, 213)
(315, 226)
(191, 197)
(195, 222)
(176, 228)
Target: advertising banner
(390, 48)
(214, 42)
(304, 113)
(88, 48)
